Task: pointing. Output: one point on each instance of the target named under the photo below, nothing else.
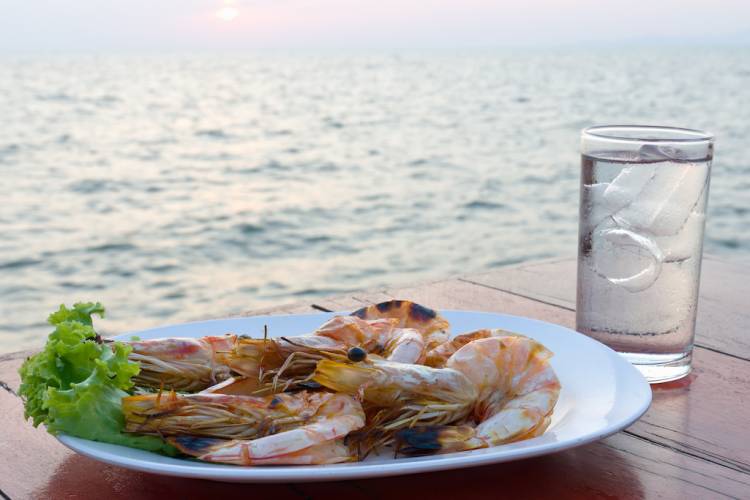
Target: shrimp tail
(431, 439)
(342, 377)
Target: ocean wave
(171, 206)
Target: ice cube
(665, 203)
(627, 185)
(625, 258)
(684, 244)
(594, 208)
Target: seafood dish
(387, 376)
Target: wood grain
(9, 377)
(723, 315)
(705, 415)
(458, 294)
(692, 416)
(35, 465)
(692, 443)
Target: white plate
(601, 395)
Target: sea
(177, 186)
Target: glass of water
(642, 214)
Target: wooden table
(694, 442)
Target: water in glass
(642, 216)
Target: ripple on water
(162, 284)
(728, 243)
(87, 186)
(536, 179)
(484, 205)
(326, 167)
(174, 295)
(161, 268)
(168, 206)
(55, 97)
(8, 150)
(212, 133)
(19, 263)
(279, 133)
(311, 240)
(249, 229)
(78, 285)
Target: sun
(228, 12)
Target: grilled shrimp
(438, 356)
(387, 339)
(221, 415)
(291, 359)
(252, 356)
(517, 392)
(185, 364)
(398, 395)
(318, 440)
(432, 326)
(189, 364)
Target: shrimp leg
(316, 442)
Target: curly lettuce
(75, 385)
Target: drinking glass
(642, 214)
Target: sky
(73, 25)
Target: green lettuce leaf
(81, 313)
(75, 385)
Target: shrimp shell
(398, 395)
(220, 415)
(432, 325)
(438, 356)
(186, 364)
(517, 392)
(282, 363)
(317, 441)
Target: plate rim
(356, 470)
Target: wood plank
(555, 280)
(705, 414)
(549, 282)
(458, 294)
(35, 465)
(293, 308)
(723, 318)
(341, 303)
(10, 380)
(682, 416)
(691, 442)
(617, 467)
(16, 355)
